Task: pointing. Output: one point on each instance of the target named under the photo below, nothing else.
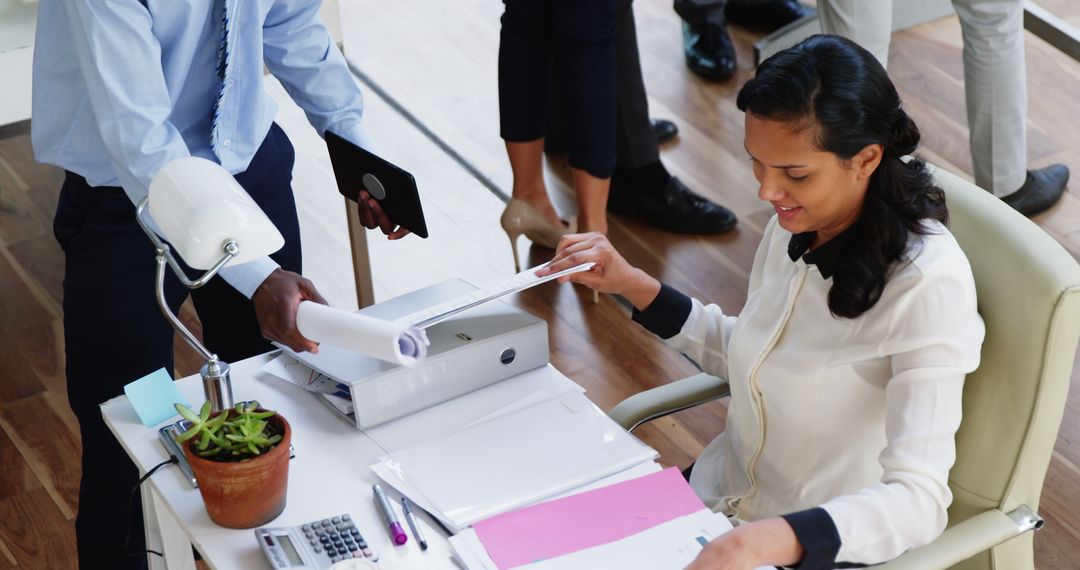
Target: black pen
(412, 523)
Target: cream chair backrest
(1029, 296)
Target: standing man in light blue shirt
(121, 88)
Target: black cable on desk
(131, 503)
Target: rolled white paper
(386, 340)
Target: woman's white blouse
(857, 416)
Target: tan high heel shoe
(520, 217)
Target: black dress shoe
(709, 51)
(766, 17)
(665, 130)
(1042, 189)
(679, 210)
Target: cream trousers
(994, 76)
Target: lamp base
(217, 385)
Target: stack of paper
(507, 462)
(650, 522)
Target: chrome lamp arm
(215, 373)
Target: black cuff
(817, 533)
(667, 314)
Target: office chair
(1028, 289)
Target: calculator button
(316, 548)
(336, 559)
(353, 547)
(326, 522)
(306, 527)
(346, 517)
(336, 520)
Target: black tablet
(357, 169)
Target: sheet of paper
(561, 526)
(504, 463)
(669, 546)
(153, 397)
(520, 282)
(291, 370)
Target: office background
(429, 73)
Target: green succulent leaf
(186, 413)
(190, 433)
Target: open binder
(470, 431)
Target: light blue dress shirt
(123, 87)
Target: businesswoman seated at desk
(847, 362)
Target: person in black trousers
(577, 38)
(109, 302)
(640, 185)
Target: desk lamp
(201, 210)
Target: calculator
(316, 545)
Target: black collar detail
(826, 257)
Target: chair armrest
(668, 399)
(966, 539)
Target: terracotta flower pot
(246, 493)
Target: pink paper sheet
(588, 519)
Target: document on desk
(476, 407)
(524, 280)
(508, 462)
(591, 518)
(671, 545)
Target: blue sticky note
(153, 397)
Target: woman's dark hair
(832, 85)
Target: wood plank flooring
(437, 61)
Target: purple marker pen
(397, 534)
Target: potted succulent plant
(240, 458)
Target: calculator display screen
(290, 551)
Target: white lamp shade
(199, 206)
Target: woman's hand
(768, 542)
(611, 274)
(276, 301)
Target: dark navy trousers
(114, 332)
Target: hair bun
(905, 136)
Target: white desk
(328, 476)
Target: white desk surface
(329, 475)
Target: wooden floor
(436, 62)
